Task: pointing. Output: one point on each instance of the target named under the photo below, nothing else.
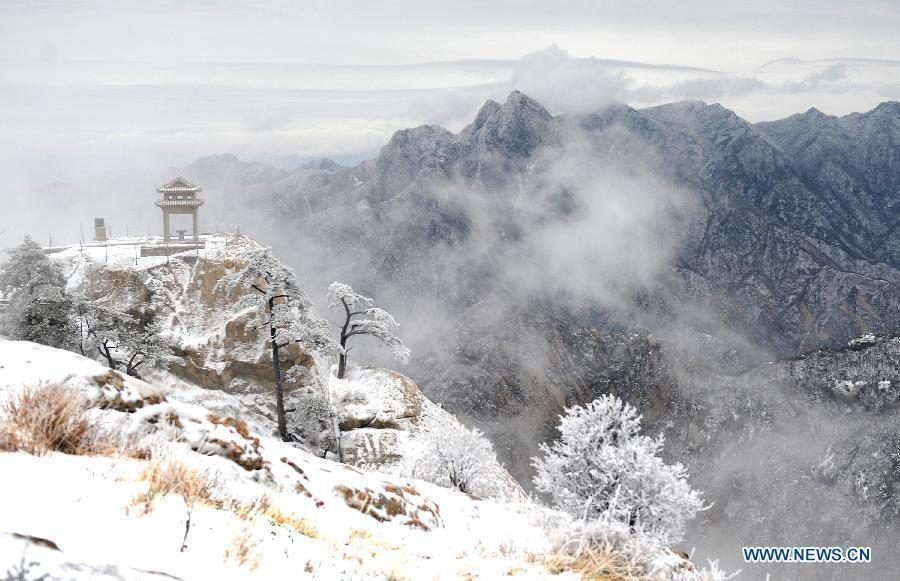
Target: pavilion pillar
(165, 225)
(194, 215)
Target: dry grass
(239, 425)
(263, 507)
(301, 525)
(170, 477)
(243, 551)
(595, 564)
(248, 511)
(45, 419)
(53, 418)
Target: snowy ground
(119, 253)
(323, 519)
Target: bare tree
(377, 323)
(287, 310)
(120, 339)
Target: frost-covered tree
(287, 315)
(45, 319)
(602, 468)
(118, 339)
(38, 309)
(28, 271)
(453, 457)
(374, 321)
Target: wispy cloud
(86, 86)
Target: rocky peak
(515, 129)
(813, 113)
(228, 170)
(408, 152)
(702, 121)
(522, 125)
(320, 164)
(490, 110)
(890, 108)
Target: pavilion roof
(179, 184)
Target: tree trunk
(105, 351)
(337, 439)
(342, 365)
(279, 390)
(342, 358)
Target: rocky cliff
(222, 347)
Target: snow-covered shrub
(604, 549)
(30, 272)
(601, 468)
(53, 418)
(598, 550)
(39, 309)
(118, 339)
(453, 457)
(46, 320)
(312, 419)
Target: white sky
(86, 86)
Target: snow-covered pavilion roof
(179, 184)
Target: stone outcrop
(220, 344)
(223, 347)
(382, 412)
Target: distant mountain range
(750, 242)
(795, 220)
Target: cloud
(566, 84)
(780, 88)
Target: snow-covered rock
(381, 413)
(217, 337)
(223, 348)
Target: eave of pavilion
(180, 203)
(179, 189)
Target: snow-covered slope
(271, 509)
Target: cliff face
(223, 347)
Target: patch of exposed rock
(381, 412)
(221, 345)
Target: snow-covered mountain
(651, 253)
(665, 255)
